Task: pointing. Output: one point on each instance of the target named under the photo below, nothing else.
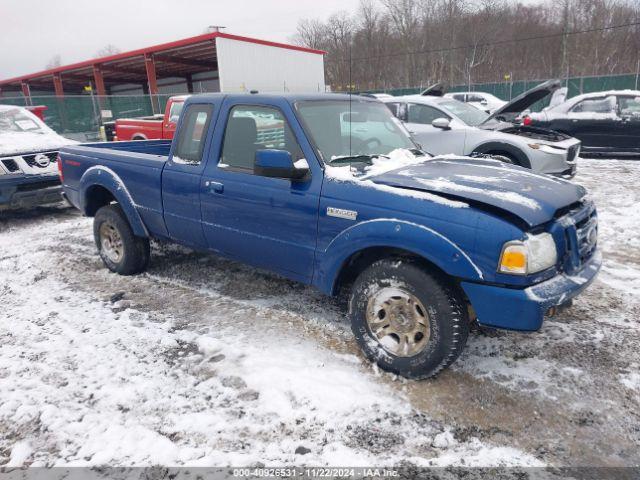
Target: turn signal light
(514, 259)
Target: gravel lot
(203, 361)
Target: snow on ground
(86, 381)
(202, 361)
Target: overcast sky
(33, 31)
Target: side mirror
(442, 123)
(279, 164)
(484, 102)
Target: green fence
(81, 116)
(509, 90)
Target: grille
(587, 236)
(581, 234)
(31, 159)
(11, 165)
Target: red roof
(190, 55)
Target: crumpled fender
(105, 177)
(393, 233)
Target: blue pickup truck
(331, 190)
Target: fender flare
(105, 177)
(393, 233)
(516, 152)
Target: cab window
(596, 105)
(252, 128)
(174, 111)
(191, 137)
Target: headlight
(536, 253)
(547, 148)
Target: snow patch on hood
(12, 143)
(396, 159)
(445, 184)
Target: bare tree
(108, 50)
(410, 43)
(54, 61)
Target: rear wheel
(121, 251)
(406, 319)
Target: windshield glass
(363, 128)
(465, 112)
(18, 120)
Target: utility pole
(565, 27)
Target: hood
(525, 100)
(435, 90)
(533, 198)
(14, 143)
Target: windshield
(18, 120)
(465, 112)
(364, 128)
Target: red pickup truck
(155, 127)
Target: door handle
(215, 187)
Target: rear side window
(423, 114)
(398, 109)
(191, 138)
(251, 128)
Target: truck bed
(152, 147)
(137, 164)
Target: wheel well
(498, 148)
(138, 137)
(504, 154)
(96, 198)
(359, 261)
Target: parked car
(444, 125)
(153, 127)
(343, 200)
(28, 153)
(607, 123)
(481, 100)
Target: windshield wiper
(355, 158)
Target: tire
(121, 251)
(420, 303)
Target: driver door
(434, 140)
(266, 222)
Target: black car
(607, 123)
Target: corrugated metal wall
(245, 66)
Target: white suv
(443, 125)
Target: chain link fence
(81, 117)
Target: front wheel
(121, 251)
(407, 320)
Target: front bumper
(524, 309)
(561, 162)
(24, 191)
